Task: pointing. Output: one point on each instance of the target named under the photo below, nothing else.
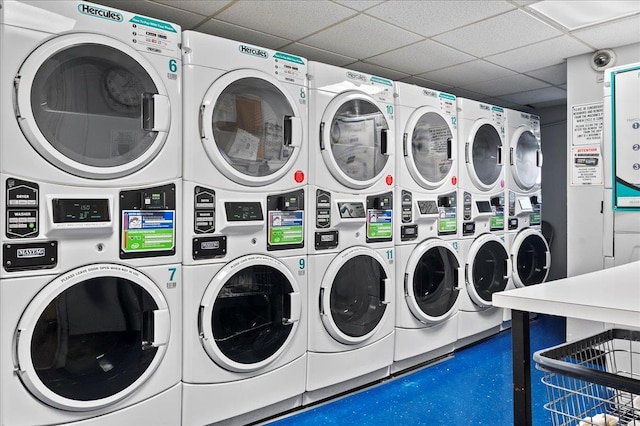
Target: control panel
(380, 217)
(285, 224)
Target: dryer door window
(525, 162)
(87, 345)
(357, 296)
(490, 271)
(254, 128)
(250, 312)
(431, 141)
(435, 283)
(354, 140)
(94, 109)
(531, 260)
(486, 155)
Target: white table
(611, 295)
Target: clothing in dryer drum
(486, 154)
(252, 127)
(431, 147)
(358, 139)
(88, 106)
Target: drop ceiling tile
(318, 55)
(245, 35)
(348, 37)
(614, 34)
(434, 17)
(501, 103)
(288, 19)
(505, 85)
(540, 55)
(377, 71)
(186, 20)
(420, 57)
(468, 73)
(464, 93)
(531, 97)
(556, 74)
(425, 83)
(206, 8)
(498, 34)
(359, 4)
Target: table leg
(521, 368)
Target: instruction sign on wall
(586, 123)
(586, 165)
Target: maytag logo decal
(429, 93)
(111, 15)
(355, 76)
(28, 253)
(253, 51)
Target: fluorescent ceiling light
(579, 14)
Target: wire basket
(593, 381)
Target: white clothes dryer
(91, 95)
(487, 269)
(481, 133)
(428, 278)
(90, 325)
(245, 339)
(245, 140)
(351, 320)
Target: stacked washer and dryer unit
(528, 249)
(91, 282)
(350, 230)
(245, 161)
(487, 266)
(429, 275)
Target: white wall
(584, 203)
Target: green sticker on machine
(497, 222)
(286, 227)
(148, 230)
(535, 218)
(447, 220)
(379, 224)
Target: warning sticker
(144, 230)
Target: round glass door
(430, 157)
(92, 106)
(432, 282)
(91, 337)
(486, 156)
(488, 270)
(532, 258)
(526, 160)
(354, 133)
(251, 126)
(354, 297)
(249, 316)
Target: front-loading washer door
(428, 151)
(431, 281)
(483, 155)
(251, 127)
(526, 158)
(530, 258)
(92, 106)
(355, 140)
(249, 313)
(91, 337)
(488, 269)
(354, 295)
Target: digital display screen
(70, 210)
(243, 212)
(483, 206)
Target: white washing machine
(481, 134)
(429, 271)
(91, 107)
(245, 161)
(529, 251)
(351, 128)
(89, 334)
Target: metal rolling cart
(610, 296)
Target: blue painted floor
(472, 388)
